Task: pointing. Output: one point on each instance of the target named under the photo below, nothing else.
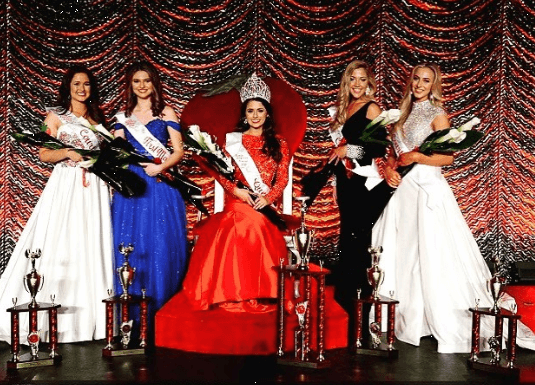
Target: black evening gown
(359, 210)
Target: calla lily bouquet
(452, 139)
(107, 163)
(447, 141)
(373, 133)
(201, 143)
(211, 156)
(111, 161)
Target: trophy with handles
(33, 281)
(303, 238)
(126, 272)
(376, 275)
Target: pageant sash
(234, 147)
(81, 128)
(143, 136)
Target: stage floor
(82, 362)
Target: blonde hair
(435, 96)
(344, 94)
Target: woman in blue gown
(154, 223)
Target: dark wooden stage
(83, 363)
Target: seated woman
(231, 264)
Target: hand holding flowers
(210, 155)
(445, 142)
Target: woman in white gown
(70, 224)
(430, 258)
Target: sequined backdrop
(485, 48)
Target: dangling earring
(368, 91)
(431, 98)
(245, 121)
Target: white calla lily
(87, 163)
(195, 133)
(457, 136)
(332, 111)
(391, 116)
(469, 125)
(208, 142)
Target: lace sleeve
(281, 178)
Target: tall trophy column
(495, 286)
(376, 346)
(33, 283)
(123, 345)
(303, 275)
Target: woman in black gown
(357, 203)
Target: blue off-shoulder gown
(155, 224)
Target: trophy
(495, 286)
(376, 275)
(126, 272)
(303, 238)
(33, 281)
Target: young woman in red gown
(231, 264)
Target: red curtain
(485, 49)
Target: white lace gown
(430, 257)
(71, 225)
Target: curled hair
(92, 103)
(435, 96)
(344, 94)
(156, 98)
(271, 146)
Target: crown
(255, 87)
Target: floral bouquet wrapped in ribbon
(374, 132)
(210, 155)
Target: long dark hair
(156, 98)
(271, 147)
(93, 101)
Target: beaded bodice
(417, 127)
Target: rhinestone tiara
(255, 87)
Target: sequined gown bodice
(417, 127)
